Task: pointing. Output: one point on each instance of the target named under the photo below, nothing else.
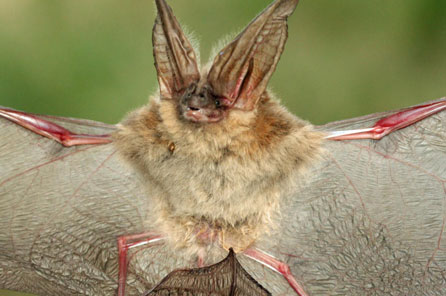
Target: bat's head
(237, 78)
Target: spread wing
(61, 210)
(370, 219)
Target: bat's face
(238, 76)
(201, 105)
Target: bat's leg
(390, 123)
(125, 243)
(277, 266)
(201, 256)
(51, 130)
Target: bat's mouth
(203, 115)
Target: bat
(331, 217)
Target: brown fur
(217, 181)
(223, 182)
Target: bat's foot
(390, 123)
(277, 266)
(124, 244)
(51, 130)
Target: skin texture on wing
(368, 220)
(371, 218)
(229, 278)
(61, 211)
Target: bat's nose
(197, 102)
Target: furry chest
(227, 190)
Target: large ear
(241, 71)
(175, 59)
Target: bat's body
(236, 152)
(214, 162)
(228, 179)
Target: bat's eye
(217, 103)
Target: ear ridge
(242, 70)
(175, 59)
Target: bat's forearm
(390, 123)
(52, 130)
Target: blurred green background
(93, 59)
